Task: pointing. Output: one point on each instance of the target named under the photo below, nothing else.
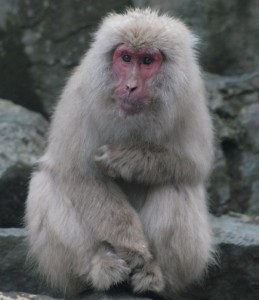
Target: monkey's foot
(148, 279)
(108, 270)
(136, 258)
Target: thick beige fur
(120, 198)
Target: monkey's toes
(148, 279)
(108, 271)
(136, 258)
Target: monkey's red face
(135, 69)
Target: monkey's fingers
(103, 161)
(107, 268)
(136, 258)
(148, 279)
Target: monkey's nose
(131, 84)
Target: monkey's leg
(66, 223)
(176, 223)
(113, 220)
(55, 235)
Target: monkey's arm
(149, 164)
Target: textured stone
(22, 140)
(250, 120)
(235, 277)
(15, 273)
(228, 30)
(23, 296)
(41, 42)
(92, 296)
(234, 102)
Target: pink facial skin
(134, 70)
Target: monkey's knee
(107, 269)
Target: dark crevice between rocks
(239, 191)
(16, 81)
(13, 193)
(242, 285)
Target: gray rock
(41, 41)
(92, 296)
(15, 273)
(250, 174)
(112, 295)
(22, 140)
(235, 277)
(219, 184)
(23, 296)
(37, 54)
(249, 119)
(228, 29)
(234, 183)
(237, 273)
(240, 231)
(44, 52)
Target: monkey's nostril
(131, 88)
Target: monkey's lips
(131, 106)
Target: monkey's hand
(113, 161)
(148, 163)
(142, 162)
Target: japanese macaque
(119, 194)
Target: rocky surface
(23, 296)
(22, 139)
(92, 296)
(16, 274)
(40, 42)
(37, 54)
(234, 184)
(237, 273)
(235, 276)
(229, 31)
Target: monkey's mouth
(131, 106)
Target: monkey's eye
(147, 60)
(126, 58)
